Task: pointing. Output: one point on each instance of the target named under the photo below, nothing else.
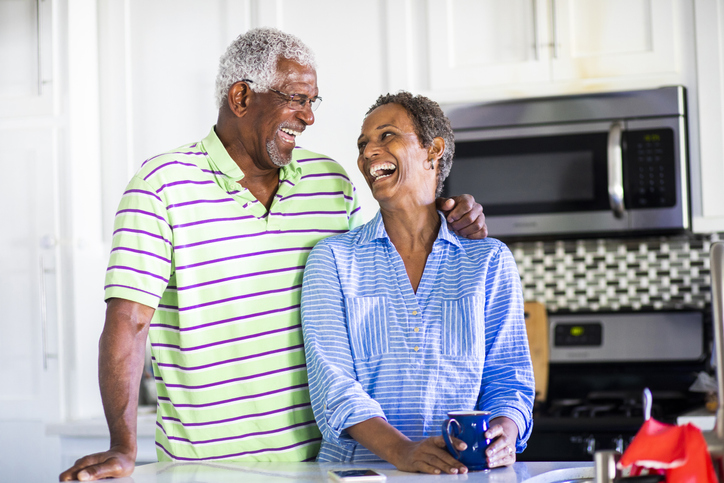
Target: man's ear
(436, 149)
(238, 98)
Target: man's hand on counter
(109, 464)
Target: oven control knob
(618, 444)
(590, 445)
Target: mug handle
(446, 436)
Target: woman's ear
(436, 149)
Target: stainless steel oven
(607, 163)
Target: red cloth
(679, 451)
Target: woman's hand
(464, 215)
(429, 456)
(501, 451)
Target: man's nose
(306, 115)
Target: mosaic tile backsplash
(655, 273)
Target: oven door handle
(615, 169)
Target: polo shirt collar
(220, 158)
(375, 230)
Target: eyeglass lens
(299, 103)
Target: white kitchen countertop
(214, 472)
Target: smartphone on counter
(357, 475)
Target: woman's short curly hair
(254, 55)
(429, 123)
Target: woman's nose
(371, 150)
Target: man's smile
(288, 135)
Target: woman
(404, 321)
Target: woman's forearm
(427, 456)
(380, 437)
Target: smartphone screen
(356, 475)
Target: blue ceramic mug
(470, 427)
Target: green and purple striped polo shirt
(225, 278)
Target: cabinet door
(29, 374)
(480, 43)
(25, 54)
(596, 39)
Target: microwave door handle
(615, 169)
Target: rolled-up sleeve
(507, 387)
(338, 399)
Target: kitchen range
(599, 365)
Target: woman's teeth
(379, 171)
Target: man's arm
(464, 215)
(121, 354)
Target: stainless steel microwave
(592, 164)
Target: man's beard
(275, 156)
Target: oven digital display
(589, 334)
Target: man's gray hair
(254, 55)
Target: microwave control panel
(651, 172)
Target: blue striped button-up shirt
(375, 348)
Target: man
(209, 248)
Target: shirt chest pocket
(463, 327)
(367, 325)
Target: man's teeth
(291, 132)
(384, 170)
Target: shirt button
(414, 312)
(417, 329)
(417, 348)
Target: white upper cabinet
(517, 48)
(612, 38)
(25, 54)
(487, 43)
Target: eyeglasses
(297, 102)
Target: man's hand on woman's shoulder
(464, 215)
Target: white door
(29, 364)
(29, 375)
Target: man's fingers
(464, 205)
(445, 204)
(111, 468)
(96, 467)
(72, 472)
(466, 223)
